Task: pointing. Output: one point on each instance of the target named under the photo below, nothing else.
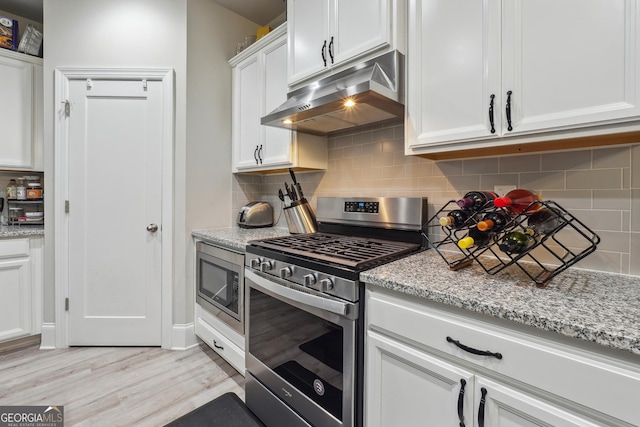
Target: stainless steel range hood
(376, 88)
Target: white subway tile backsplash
(596, 179)
(524, 163)
(601, 187)
(614, 157)
(537, 181)
(566, 160)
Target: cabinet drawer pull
(215, 344)
(461, 402)
(483, 401)
(255, 155)
(473, 350)
(260, 154)
(324, 53)
(331, 49)
(493, 128)
(508, 110)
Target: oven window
(303, 349)
(219, 285)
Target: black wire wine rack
(566, 243)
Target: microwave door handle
(332, 306)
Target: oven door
(301, 346)
(220, 278)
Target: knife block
(300, 217)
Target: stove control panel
(305, 277)
(362, 207)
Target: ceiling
(259, 11)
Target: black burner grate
(354, 252)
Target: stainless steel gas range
(305, 312)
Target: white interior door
(115, 131)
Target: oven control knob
(266, 266)
(309, 279)
(325, 285)
(255, 263)
(285, 272)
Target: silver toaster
(256, 214)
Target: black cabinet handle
(508, 109)
(255, 155)
(215, 344)
(260, 154)
(473, 350)
(331, 49)
(324, 53)
(483, 401)
(463, 383)
(493, 128)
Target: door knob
(152, 228)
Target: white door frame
(61, 150)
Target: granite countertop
(592, 306)
(21, 231)
(236, 237)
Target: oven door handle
(341, 308)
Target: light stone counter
(597, 307)
(236, 237)
(21, 231)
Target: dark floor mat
(224, 411)
(326, 348)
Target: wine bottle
(454, 219)
(475, 237)
(495, 221)
(474, 201)
(544, 220)
(517, 242)
(518, 201)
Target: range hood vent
(376, 88)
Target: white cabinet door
(328, 33)
(308, 28)
(540, 67)
(406, 387)
(277, 141)
(453, 71)
(16, 120)
(15, 289)
(359, 26)
(247, 97)
(570, 63)
(497, 405)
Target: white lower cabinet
(222, 339)
(415, 375)
(20, 287)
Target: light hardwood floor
(117, 386)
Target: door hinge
(66, 304)
(67, 108)
(66, 206)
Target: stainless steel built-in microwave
(220, 283)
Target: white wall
(212, 35)
(114, 33)
(194, 37)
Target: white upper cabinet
(327, 35)
(491, 73)
(21, 121)
(260, 86)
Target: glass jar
(21, 189)
(16, 214)
(34, 190)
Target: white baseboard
(183, 337)
(48, 336)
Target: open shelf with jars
(540, 237)
(25, 201)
